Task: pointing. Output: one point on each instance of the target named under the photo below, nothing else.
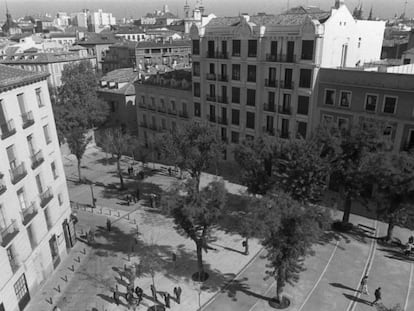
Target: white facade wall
(35, 261)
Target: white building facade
(36, 227)
(101, 20)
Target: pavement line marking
(320, 277)
(208, 302)
(352, 305)
(409, 286)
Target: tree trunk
(390, 229)
(347, 204)
(79, 170)
(279, 284)
(200, 266)
(121, 179)
(246, 247)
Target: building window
(11, 154)
(251, 73)
(235, 95)
(235, 72)
(196, 89)
(197, 109)
(236, 48)
(329, 97)
(212, 113)
(371, 102)
(251, 97)
(305, 79)
(252, 48)
(343, 123)
(307, 49)
(235, 117)
(3, 223)
(210, 48)
(113, 106)
(303, 105)
(21, 290)
(250, 120)
(235, 136)
(47, 134)
(302, 128)
(39, 97)
(390, 104)
(163, 124)
(326, 119)
(196, 69)
(196, 47)
(345, 99)
(54, 170)
(60, 199)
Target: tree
(194, 147)
(393, 175)
(348, 152)
(118, 143)
(77, 142)
(77, 105)
(195, 213)
(290, 229)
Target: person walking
(167, 298)
(154, 293)
(177, 292)
(378, 297)
(137, 194)
(116, 297)
(108, 224)
(364, 285)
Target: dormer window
(112, 85)
(103, 83)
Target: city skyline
(381, 9)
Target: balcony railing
(7, 234)
(14, 264)
(142, 105)
(18, 173)
(153, 127)
(270, 83)
(271, 57)
(172, 112)
(162, 109)
(211, 54)
(46, 197)
(29, 213)
(27, 119)
(284, 109)
(211, 76)
(7, 129)
(222, 99)
(222, 78)
(269, 130)
(37, 159)
(291, 58)
(183, 114)
(408, 146)
(289, 85)
(211, 98)
(152, 107)
(3, 187)
(284, 134)
(144, 124)
(211, 118)
(222, 55)
(222, 120)
(269, 107)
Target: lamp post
(93, 198)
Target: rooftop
(11, 77)
(153, 44)
(30, 58)
(124, 75)
(92, 38)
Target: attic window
(104, 83)
(112, 85)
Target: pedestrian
(108, 224)
(167, 298)
(116, 297)
(153, 292)
(132, 170)
(407, 250)
(134, 197)
(137, 194)
(127, 199)
(169, 171)
(178, 293)
(378, 297)
(364, 285)
(141, 174)
(139, 292)
(245, 244)
(411, 240)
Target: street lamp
(93, 198)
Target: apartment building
(347, 97)
(255, 75)
(164, 103)
(36, 229)
(119, 55)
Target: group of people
(409, 246)
(364, 290)
(133, 197)
(134, 297)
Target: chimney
(246, 16)
(339, 3)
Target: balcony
(288, 85)
(29, 213)
(46, 197)
(270, 83)
(408, 146)
(18, 173)
(211, 118)
(291, 58)
(211, 98)
(7, 234)
(222, 120)
(211, 54)
(269, 107)
(271, 57)
(222, 99)
(14, 264)
(183, 114)
(142, 105)
(153, 127)
(152, 107)
(269, 130)
(37, 159)
(3, 187)
(144, 124)
(7, 129)
(284, 134)
(222, 55)
(162, 110)
(211, 76)
(172, 112)
(284, 110)
(222, 78)
(27, 119)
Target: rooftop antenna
(405, 7)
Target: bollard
(119, 214)
(57, 288)
(65, 278)
(49, 301)
(127, 216)
(83, 251)
(101, 211)
(110, 212)
(78, 259)
(72, 268)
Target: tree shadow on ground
(340, 285)
(231, 287)
(106, 161)
(396, 253)
(356, 299)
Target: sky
(137, 8)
